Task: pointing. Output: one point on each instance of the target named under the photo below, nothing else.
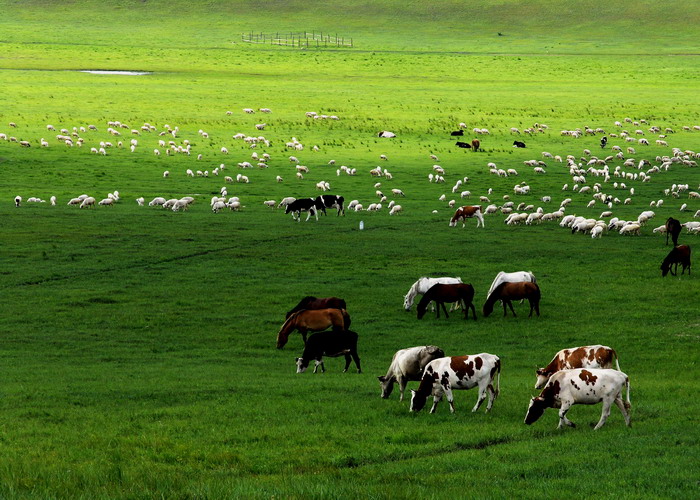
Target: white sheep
(270, 203)
(106, 202)
(395, 210)
(218, 206)
(157, 201)
(87, 202)
(397, 192)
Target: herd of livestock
(578, 375)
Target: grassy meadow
(138, 351)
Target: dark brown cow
(679, 255)
(673, 229)
(587, 356)
(476, 144)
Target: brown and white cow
(467, 212)
(408, 364)
(588, 386)
(443, 375)
(587, 356)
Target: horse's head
(487, 309)
(665, 268)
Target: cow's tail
(497, 390)
(617, 360)
(628, 403)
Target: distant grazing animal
(514, 277)
(457, 133)
(679, 255)
(467, 212)
(331, 344)
(462, 293)
(386, 134)
(519, 144)
(443, 375)
(313, 321)
(408, 364)
(586, 386)
(330, 201)
(302, 205)
(603, 141)
(310, 302)
(424, 284)
(506, 292)
(673, 228)
(476, 144)
(464, 145)
(587, 356)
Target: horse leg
(473, 310)
(510, 304)
(303, 335)
(444, 309)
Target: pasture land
(138, 353)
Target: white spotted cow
(443, 375)
(467, 212)
(587, 356)
(588, 386)
(408, 364)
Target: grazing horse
(462, 293)
(506, 292)
(673, 228)
(679, 255)
(313, 320)
(511, 278)
(310, 302)
(423, 285)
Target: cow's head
(535, 410)
(417, 400)
(301, 365)
(542, 377)
(387, 384)
(287, 208)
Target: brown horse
(310, 302)
(462, 293)
(506, 292)
(679, 255)
(313, 320)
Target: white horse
(515, 277)
(423, 285)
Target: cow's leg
(316, 214)
(436, 399)
(482, 396)
(356, 359)
(403, 381)
(319, 362)
(450, 398)
(607, 403)
(565, 405)
(347, 362)
(625, 413)
(492, 396)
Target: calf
(586, 386)
(331, 344)
(464, 145)
(519, 144)
(330, 201)
(408, 364)
(458, 372)
(588, 356)
(457, 133)
(673, 228)
(302, 205)
(476, 144)
(467, 212)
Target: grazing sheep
(88, 202)
(270, 203)
(395, 210)
(218, 206)
(107, 202)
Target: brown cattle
(587, 356)
(467, 212)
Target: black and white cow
(330, 201)
(302, 205)
(408, 364)
(443, 375)
(331, 344)
(464, 145)
(519, 144)
(587, 386)
(457, 133)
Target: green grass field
(138, 350)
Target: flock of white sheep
(595, 180)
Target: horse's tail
(346, 319)
(532, 277)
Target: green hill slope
(541, 26)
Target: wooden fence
(302, 40)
